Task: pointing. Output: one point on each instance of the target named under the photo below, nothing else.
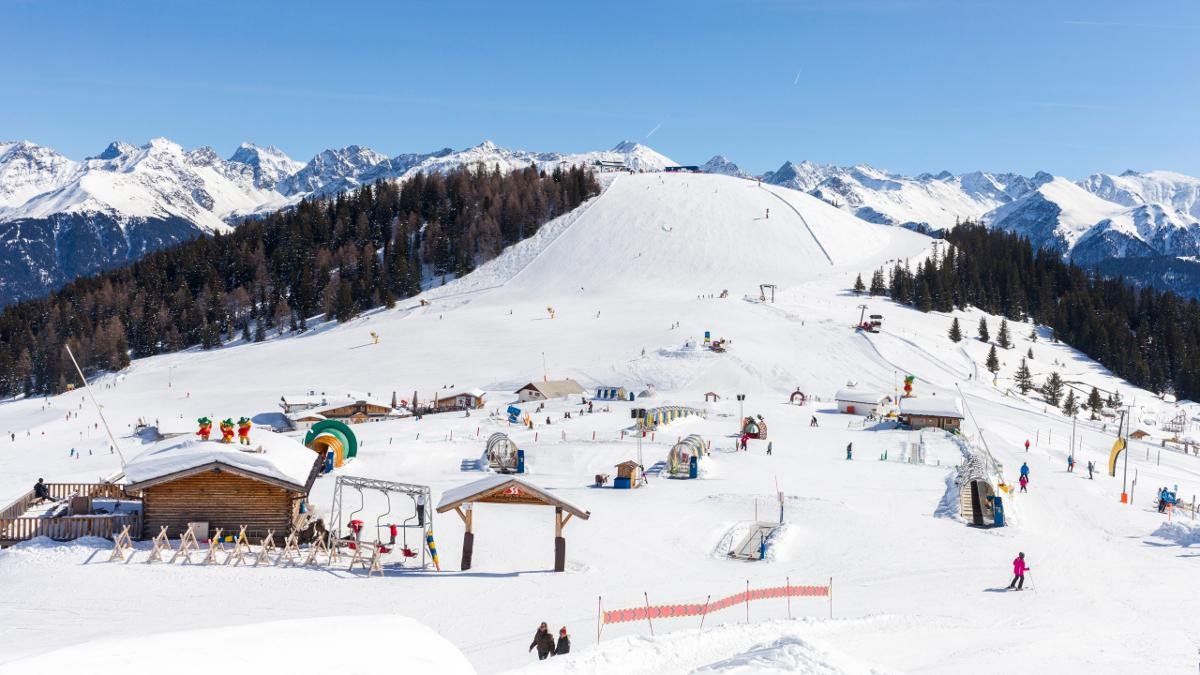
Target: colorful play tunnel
(334, 440)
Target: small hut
(853, 401)
(628, 475)
(260, 486)
(454, 399)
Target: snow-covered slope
(60, 219)
(914, 587)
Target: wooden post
(120, 544)
(161, 543)
(648, 620)
(266, 547)
(187, 544)
(214, 545)
(315, 549)
(560, 542)
(240, 546)
(789, 596)
(468, 547)
(290, 552)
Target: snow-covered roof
(341, 401)
(303, 399)
(464, 493)
(451, 393)
(932, 406)
(270, 455)
(556, 388)
(852, 395)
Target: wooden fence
(16, 527)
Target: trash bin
(998, 510)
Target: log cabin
(226, 485)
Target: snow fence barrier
(649, 613)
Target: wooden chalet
(942, 412)
(453, 399)
(351, 409)
(225, 485)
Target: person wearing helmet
(1019, 570)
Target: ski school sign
(649, 613)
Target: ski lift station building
(942, 412)
(853, 401)
(186, 480)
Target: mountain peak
(115, 150)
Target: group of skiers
(1166, 498)
(544, 642)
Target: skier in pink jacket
(1019, 570)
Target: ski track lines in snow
(910, 589)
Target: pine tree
(955, 331)
(984, 336)
(993, 361)
(1033, 334)
(1052, 389)
(1029, 354)
(1002, 335)
(878, 287)
(1094, 403)
(1070, 406)
(859, 286)
(344, 302)
(1023, 378)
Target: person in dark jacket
(41, 491)
(544, 642)
(564, 642)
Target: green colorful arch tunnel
(335, 436)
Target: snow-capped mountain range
(61, 218)
(1088, 221)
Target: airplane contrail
(654, 130)
(797, 80)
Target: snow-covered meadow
(913, 591)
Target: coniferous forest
(329, 258)
(1149, 337)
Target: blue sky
(1068, 86)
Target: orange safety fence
(651, 612)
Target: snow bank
(771, 647)
(275, 646)
(1183, 534)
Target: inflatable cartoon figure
(244, 431)
(205, 428)
(227, 430)
(908, 383)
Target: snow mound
(1180, 533)
(274, 646)
(787, 655)
(771, 647)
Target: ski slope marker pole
(599, 617)
(647, 596)
(748, 599)
(704, 612)
(789, 596)
(831, 597)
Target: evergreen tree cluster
(1149, 337)
(334, 257)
